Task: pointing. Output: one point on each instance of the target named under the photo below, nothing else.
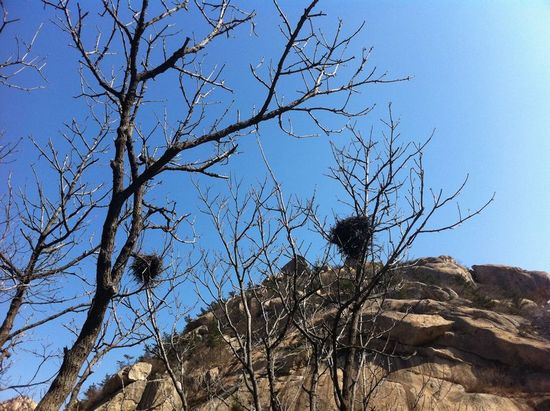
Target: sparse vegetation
(478, 297)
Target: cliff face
(457, 339)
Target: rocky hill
(457, 339)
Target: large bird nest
(352, 236)
(146, 268)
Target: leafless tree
(40, 225)
(42, 237)
(338, 309)
(170, 347)
(384, 182)
(243, 281)
(137, 45)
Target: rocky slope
(475, 339)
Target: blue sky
(480, 78)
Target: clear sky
(481, 78)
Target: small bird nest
(146, 268)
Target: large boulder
(121, 388)
(419, 291)
(127, 375)
(126, 399)
(443, 271)
(483, 338)
(296, 266)
(444, 351)
(405, 390)
(413, 329)
(160, 395)
(513, 282)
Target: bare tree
(140, 44)
(242, 278)
(170, 347)
(338, 310)
(389, 208)
(40, 226)
(42, 238)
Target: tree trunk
(350, 369)
(107, 276)
(15, 305)
(274, 400)
(312, 392)
(75, 357)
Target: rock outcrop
(513, 282)
(414, 329)
(123, 391)
(443, 271)
(18, 404)
(459, 341)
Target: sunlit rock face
(459, 339)
(513, 282)
(443, 271)
(18, 404)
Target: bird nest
(352, 236)
(146, 268)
